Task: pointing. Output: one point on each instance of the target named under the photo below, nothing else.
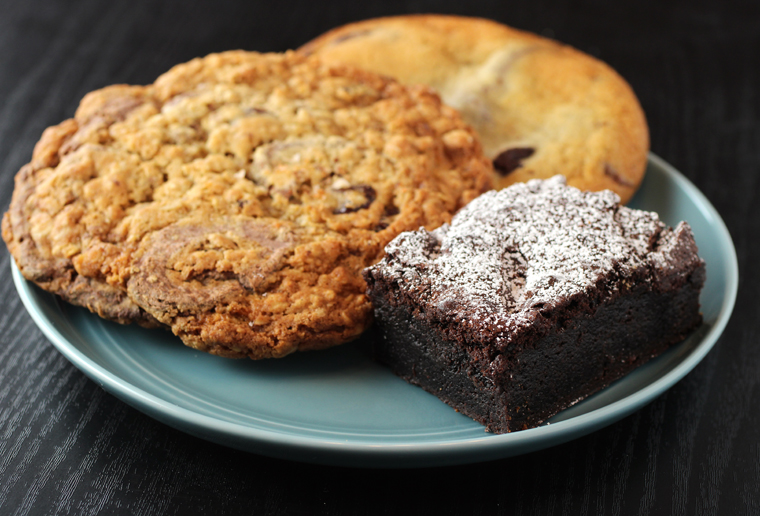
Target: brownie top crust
(516, 260)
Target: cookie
(541, 108)
(237, 199)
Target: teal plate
(337, 406)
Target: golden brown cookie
(541, 108)
(237, 199)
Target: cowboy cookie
(237, 199)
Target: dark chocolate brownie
(534, 298)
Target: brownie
(535, 297)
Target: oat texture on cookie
(237, 199)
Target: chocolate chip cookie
(541, 108)
(237, 199)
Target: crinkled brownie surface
(528, 268)
(237, 199)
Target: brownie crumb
(511, 159)
(533, 298)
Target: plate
(337, 406)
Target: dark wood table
(68, 447)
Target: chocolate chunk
(117, 109)
(511, 159)
(391, 210)
(613, 174)
(366, 190)
(159, 283)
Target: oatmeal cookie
(541, 108)
(237, 199)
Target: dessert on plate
(532, 299)
(237, 199)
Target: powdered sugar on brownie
(527, 248)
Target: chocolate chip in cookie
(518, 90)
(237, 199)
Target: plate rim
(321, 450)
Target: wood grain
(69, 448)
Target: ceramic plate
(339, 407)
